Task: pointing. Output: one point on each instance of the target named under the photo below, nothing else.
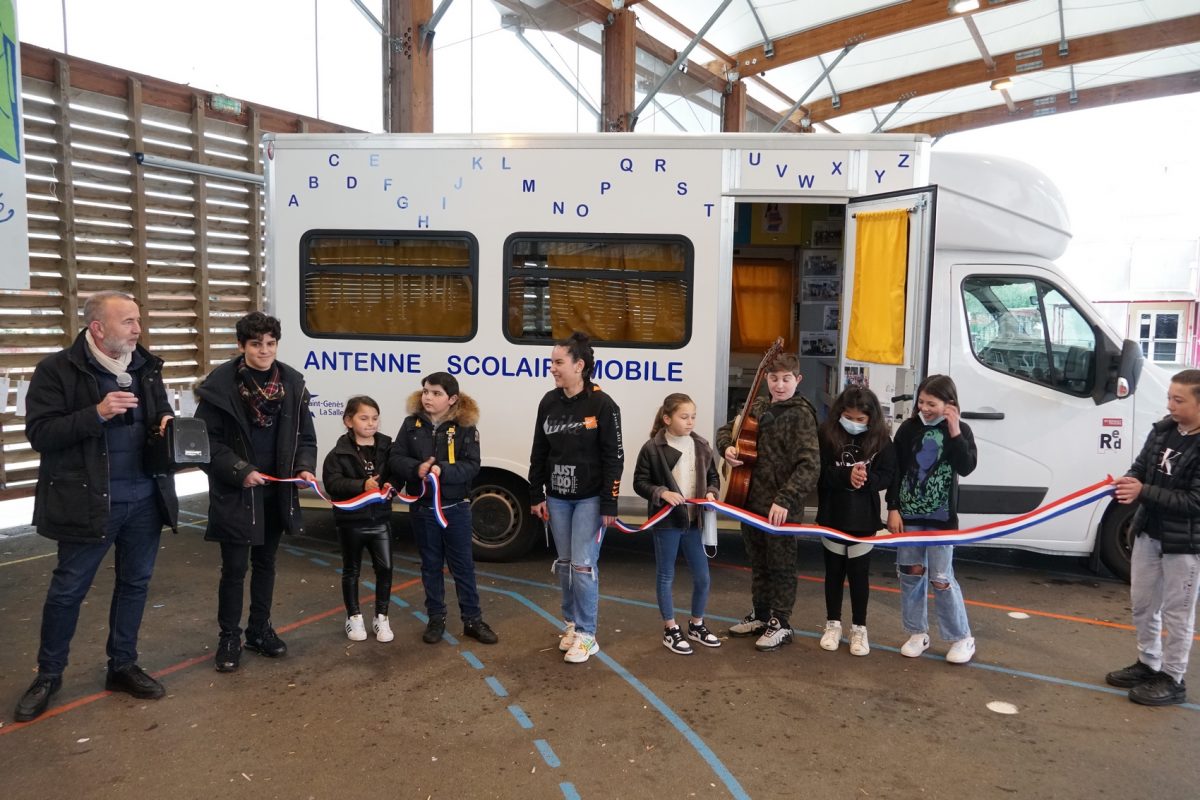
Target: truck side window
(356, 284)
(618, 289)
(1027, 328)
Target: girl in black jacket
(857, 463)
(356, 464)
(674, 465)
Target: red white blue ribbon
(383, 494)
(1083, 497)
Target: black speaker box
(185, 444)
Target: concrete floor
(460, 719)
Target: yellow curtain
(763, 294)
(876, 325)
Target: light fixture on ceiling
(963, 6)
(1001, 84)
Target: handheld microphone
(124, 382)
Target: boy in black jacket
(439, 436)
(1165, 483)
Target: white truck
(393, 256)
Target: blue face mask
(853, 428)
(932, 422)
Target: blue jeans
(667, 544)
(451, 547)
(575, 524)
(135, 529)
(914, 590)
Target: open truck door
(889, 253)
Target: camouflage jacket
(789, 456)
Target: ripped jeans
(937, 567)
(574, 524)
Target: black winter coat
(71, 503)
(453, 443)
(1174, 499)
(839, 505)
(652, 476)
(235, 514)
(343, 476)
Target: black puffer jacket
(839, 505)
(235, 514)
(454, 443)
(1174, 499)
(343, 476)
(652, 476)
(61, 423)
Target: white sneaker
(382, 628)
(859, 646)
(917, 643)
(568, 637)
(749, 626)
(584, 647)
(774, 636)
(961, 651)
(355, 630)
(832, 636)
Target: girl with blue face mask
(933, 449)
(857, 463)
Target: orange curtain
(763, 293)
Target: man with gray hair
(90, 409)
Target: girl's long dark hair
(670, 405)
(858, 398)
(940, 386)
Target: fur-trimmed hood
(464, 412)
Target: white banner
(14, 226)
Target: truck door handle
(982, 415)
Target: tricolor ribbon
(1079, 499)
(383, 494)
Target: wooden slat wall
(188, 247)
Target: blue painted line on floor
(320, 562)
(399, 602)
(421, 616)
(193, 513)
(522, 718)
(471, 659)
(547, 753)
(294, 552)
(568, 790)
(496, 685)
(449, 637)
(393, 598)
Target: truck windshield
(1027, 328)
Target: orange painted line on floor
(182, 665)
(979, 603)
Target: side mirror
(1117, 371)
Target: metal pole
(376, 24)
(768, 47)
(428, 28)
(800, 101)
(883, 121)
(553, 71)
(679, 60)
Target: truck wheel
(502, 527)
(1115, 543)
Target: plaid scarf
(262, 401)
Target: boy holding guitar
(784, 471)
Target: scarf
(263, 401)
(114, 365)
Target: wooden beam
(733, 109)
(410, 67)
(1143, 38)
(90, 76)
(137, 215)
(1099, 97)
(200, 239)
(68, 266)
(257, 270)
(886, 21)
(619, 68)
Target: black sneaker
(37, 697)
(1130, 676)
(434, 629)
(478, 629)
(133, 680)
(699, 633)
(266, 642)
(673, 640)
(1160, 690)
(229, 654)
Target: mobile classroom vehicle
(393, 256)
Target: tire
(1115, 541)
(502, 527)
